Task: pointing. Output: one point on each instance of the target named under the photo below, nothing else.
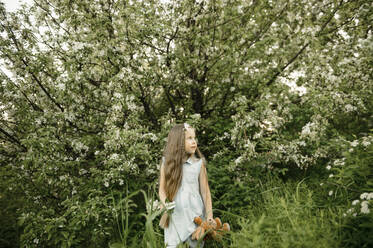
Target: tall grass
(286, 215)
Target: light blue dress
(188, 204)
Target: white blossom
(117, 95)
(350, 108)
(238, 160)
(328, 167)
(367, 196)
(61, 86)
(114, 156)
(370, 196)
(350, 210)
(366, 141)
(364, 207)
(355, 202)
(330, 192)
(354, 143)
(117, 107)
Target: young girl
(183, 180)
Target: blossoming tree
(93, 86)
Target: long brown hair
(174, 158)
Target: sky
(12, 5)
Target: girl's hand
(170, 205)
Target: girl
(183, 179)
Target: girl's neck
(191, 156)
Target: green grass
(286, 216)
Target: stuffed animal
(214, 230)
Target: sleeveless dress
(188, 204)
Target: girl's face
(190, 141)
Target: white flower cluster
(339, 162)
(308, 129)
(350, 108)
(365, 199)
(79, 146)
(367, 140)
(150, 136)
(130, 101)
(238, 160)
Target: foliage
(351, 183)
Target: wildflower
(364, 207)
(330, 192)
(321, 184)
(350, 108)
(238, 160)
(302, 143)
(121, 182)
(355, 202)
(354, 143)
(370, 196)
(306, 129)
(36, 240)
(331, 175)
(365, 142)
(114, 156)
(364, 196)
(117, 95)
(328, 167)
(106, 184)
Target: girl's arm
(205, 192)
(162, 192)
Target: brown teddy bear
(215, 230)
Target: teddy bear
(215, 230)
